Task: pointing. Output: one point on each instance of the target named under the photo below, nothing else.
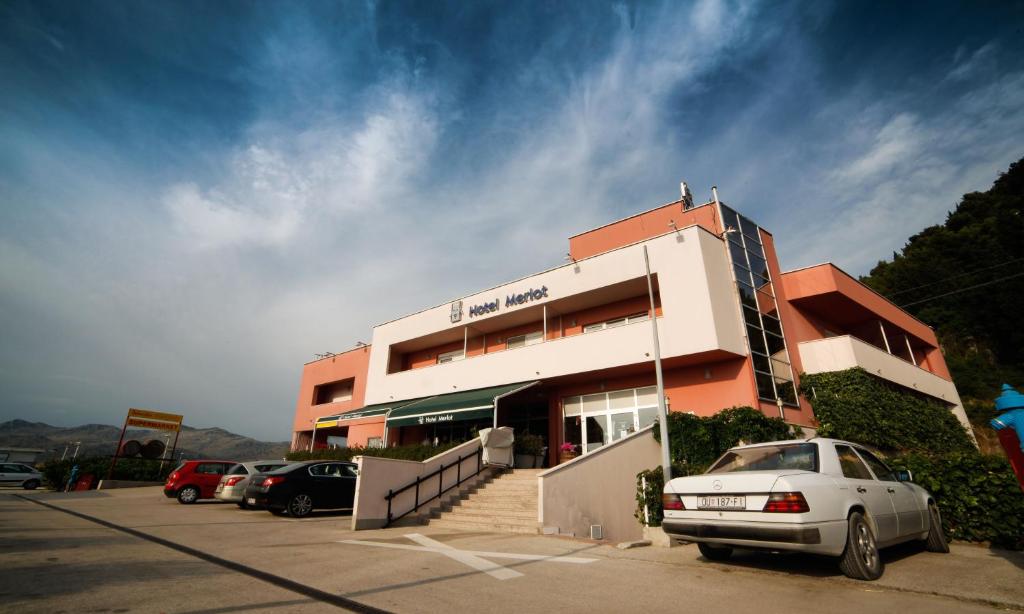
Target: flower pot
(564, 456)
(525, 461)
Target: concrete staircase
(506, 504)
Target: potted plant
(567, 452)
(528, 449)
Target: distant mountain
(101, 440)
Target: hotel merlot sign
(512, 300)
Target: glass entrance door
(594, 420)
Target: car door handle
(861, 489)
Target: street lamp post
(666, 458)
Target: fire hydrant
(1010, 426)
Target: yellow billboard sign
(153, 424)
(155, 415)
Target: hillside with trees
(965, 278)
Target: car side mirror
(903, 475)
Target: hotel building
(568, 353)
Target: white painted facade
(698, 300)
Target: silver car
(822, 496)
(17, 474)
(232, 485)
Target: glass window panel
(757, 264)
(621, 399)
(595, 402)
(851, 464)
(737, 252)
(771, 324)
(877, 467)
(754, 336)
(515, 342)
(647, 396)
(761, 362)
(638, 317)
(750, 230)
(765, 389)
(775, 344)
(597, 432)
(781, 370)
(572, 406)
(746, 293)
(787, 393)
(647, 416)
(767, 306)
(742, 274)
(751, 317)
(589, 328)
(622, 425)
(761, 283)
(729, 219)
(573, 431)
(615, 323)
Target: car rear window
(801, 456)
(268, 467)
(240, 469)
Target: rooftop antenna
(686, 195)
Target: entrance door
(594, 420)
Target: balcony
(846, 352)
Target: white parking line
(472, 558)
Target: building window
(615, 323)
(594, 420)
(772, 366)
(524, 340)
(451, 356)
(334, 392)
(374, 442)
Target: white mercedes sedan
(823, 496)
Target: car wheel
(31, 485)
(936, 540)
(300, 505)
(714, 553)
(187, 495)
(860, 559)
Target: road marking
(472, 558)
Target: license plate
(722, 503)
(251, 501)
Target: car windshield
(802, 456)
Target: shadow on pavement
(1013, 556)
(811, 565)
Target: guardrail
(439, 472)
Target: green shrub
(857, 406)
(57, 472)
(416, 452)
(978, 495)
(695, 442)
(529, 444)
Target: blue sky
(197, 197)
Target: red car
(196, 479)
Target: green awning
(363, 412)
(454, 407)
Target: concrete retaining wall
(598, 488)
(111, 484)
(379, 475)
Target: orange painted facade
(347, 365)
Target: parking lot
(135, 551)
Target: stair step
(499, 517)
(489, 527)
(495, 506)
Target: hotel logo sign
(512, 300)
(456, 311)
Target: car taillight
(172, 477)
(786, 503)
(273, 480)
(235, 479)
(672, 502)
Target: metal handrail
(417, 504)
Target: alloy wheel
(300, 505)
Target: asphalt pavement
(133, 550)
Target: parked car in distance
(196, 479)
(823, 496)
(298, 489)
(18, 474)
(232, 484)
